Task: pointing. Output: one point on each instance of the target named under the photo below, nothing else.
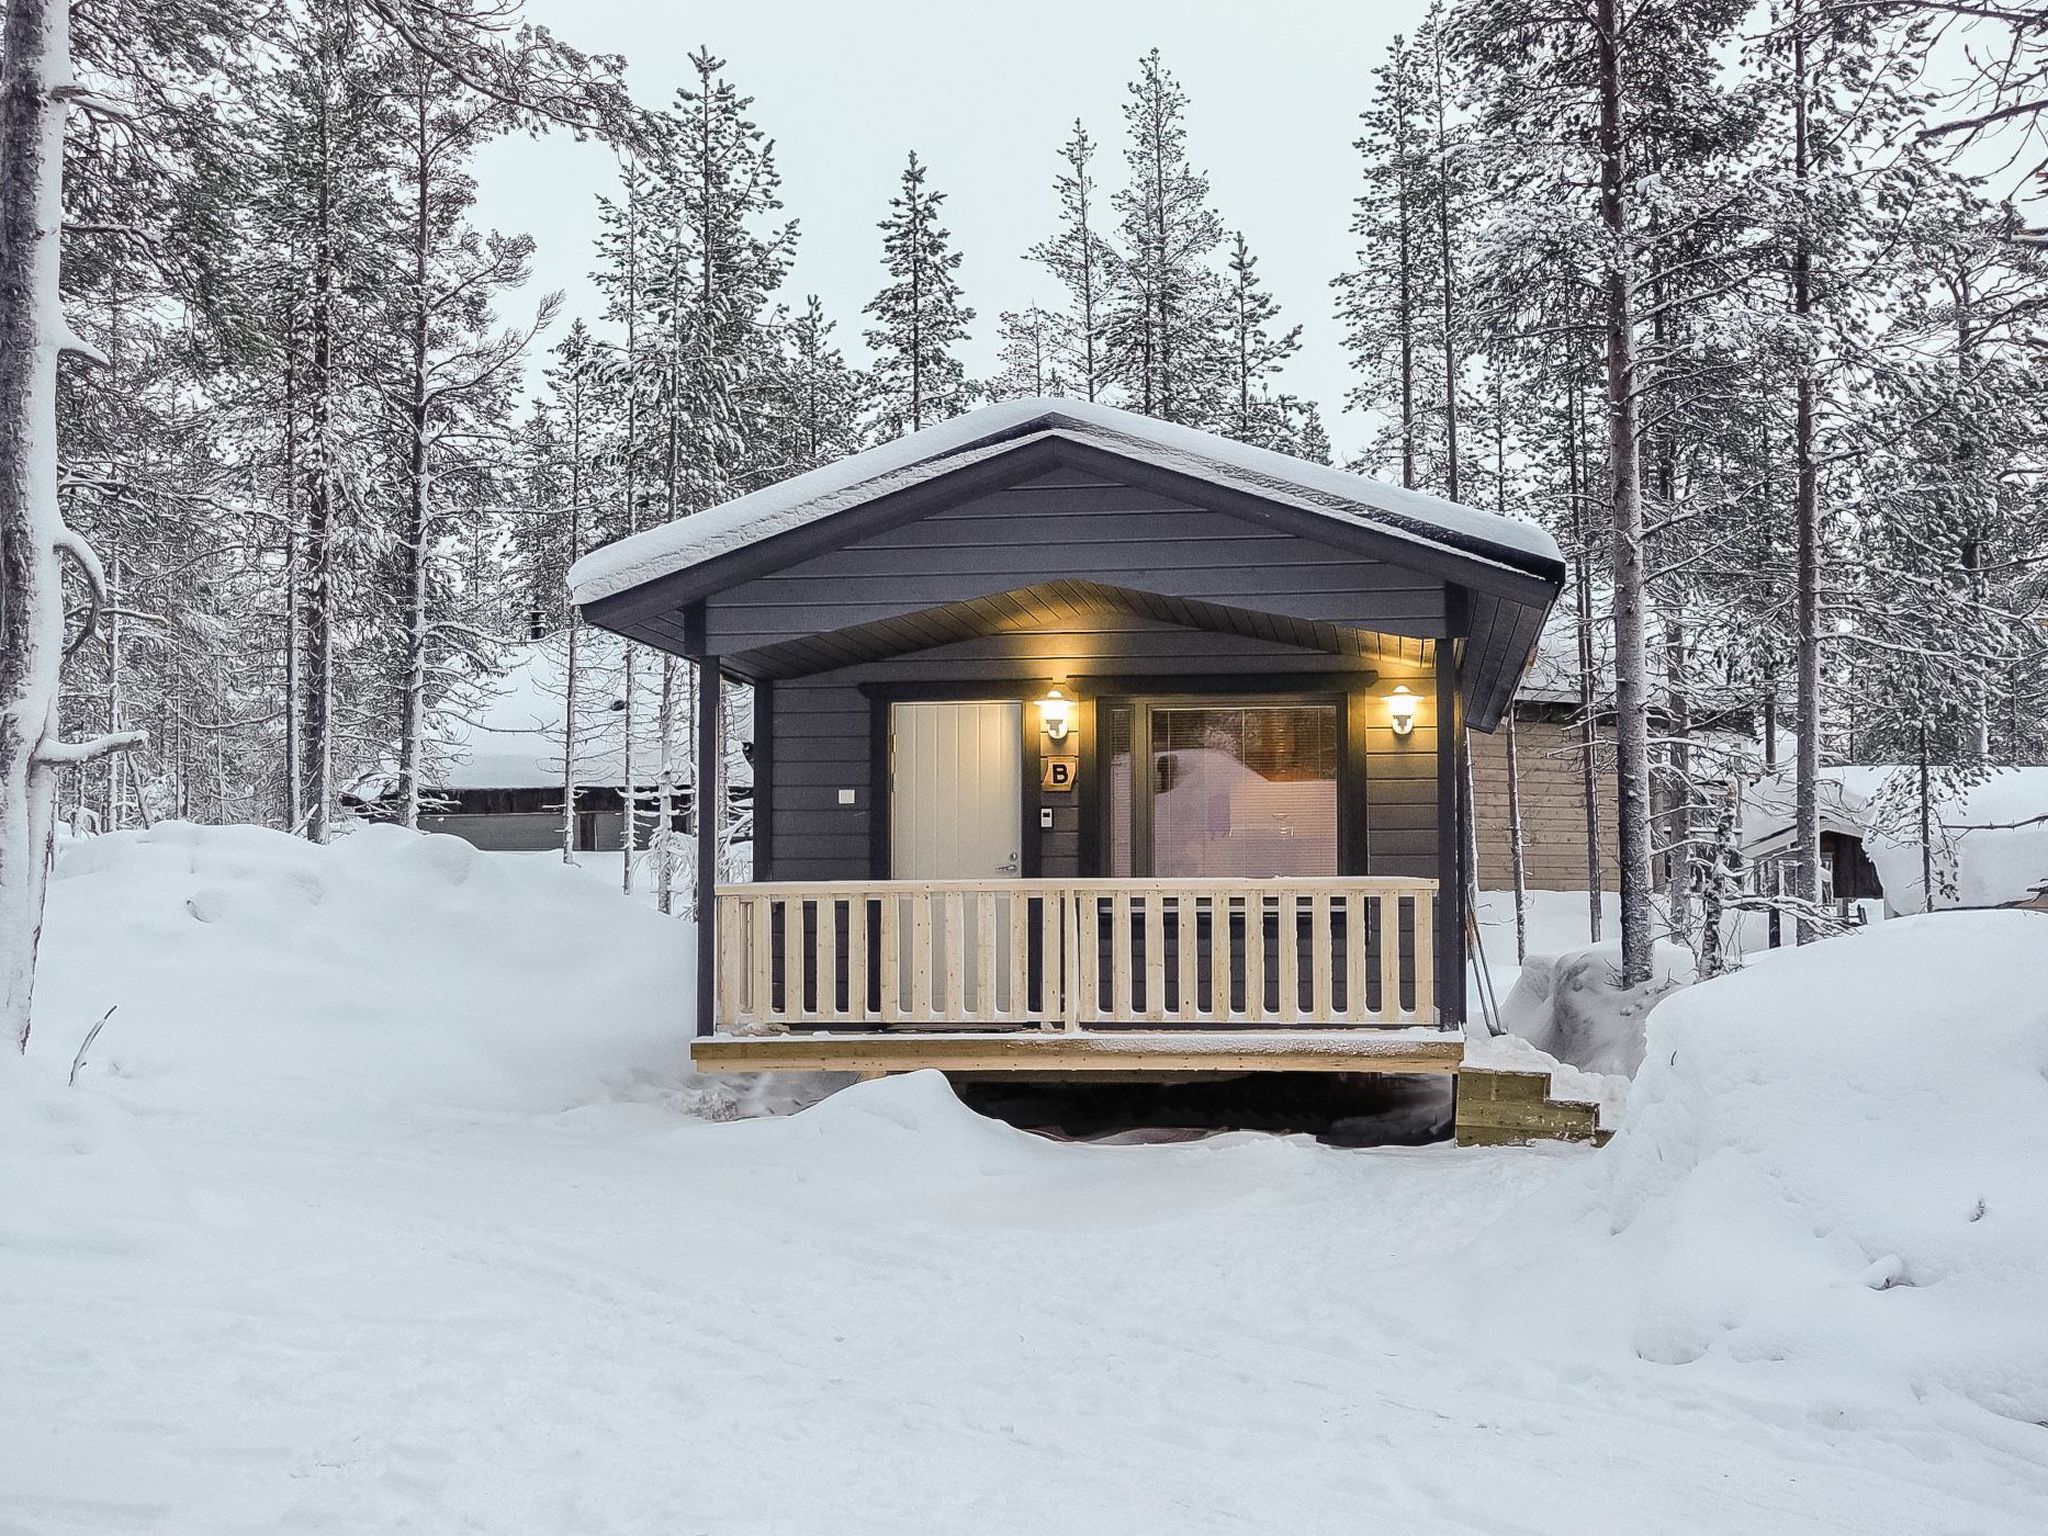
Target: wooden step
(1497, 1109)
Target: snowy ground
(377, 1210)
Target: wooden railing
(1351, 952)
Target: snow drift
(387, 966)
(1836, 1156)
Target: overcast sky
(985, 95)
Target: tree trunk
(1806, 773)
(415, 525)
(572, 675)
(1589, 718)
(34, 541)
(1631, 693)
(665, 792)
(294, 638)
(1926, 824)
(1517, 859)
(318, 591)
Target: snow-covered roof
(1770, 807)
(506, 732)
(1990, 848)
(995, 429)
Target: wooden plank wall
(1548, 754)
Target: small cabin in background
(498, 773)
(1084, 740)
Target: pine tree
(1164, 327)
(1257, 349)
(819, 399)
(919, 315)
(1383, 300)
(1084, 262)
(1028, 355)
(452, 391)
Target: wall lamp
(1401, 709)
(1056, 714)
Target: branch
(62, 754)
(89, 567)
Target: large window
(1221, 788)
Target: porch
(1071, 955)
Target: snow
(1836, 1153)
(1990, 861)
(996, 429)
(381, 1207)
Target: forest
(1747, 304)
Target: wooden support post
(1450, 841)
(710, 803)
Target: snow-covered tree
(1083, 261)
(919, 316)
(1163, 329)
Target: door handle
(1011, 868)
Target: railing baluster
(1019, 930)
(1423, 958)
(1255, 957)
(953, 946)
(857, 957)
(987, 975)
(921, 958)
(1187, 958)
(1155, 956)
(889, 983)
(828, 957)
(1122, 991)
(1289, 939)
(1220, 903)
(1322, 1008)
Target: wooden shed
(1086, 741)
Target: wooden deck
(1064, 1052)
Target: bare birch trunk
(1631, 694)
(35, 79)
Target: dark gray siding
(821, 747)
(823, 734)
(1066, 526)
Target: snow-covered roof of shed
(506, 732)
(994, 429)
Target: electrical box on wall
(1045, 818)
(846, 797)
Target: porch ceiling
(1056, 605)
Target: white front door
(957, 813)
(957, 795)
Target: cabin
(496, 775)
(1088, 743)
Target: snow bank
(244, 964)
(78, 1181)
(1573, 1007)
(1837, 1154)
